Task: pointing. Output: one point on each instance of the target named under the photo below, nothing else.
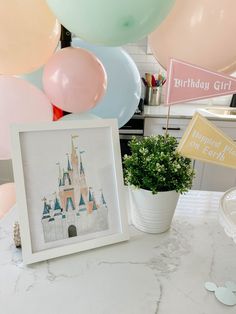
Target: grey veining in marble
(150, 274)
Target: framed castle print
(69, 187)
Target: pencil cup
(148, 95)
(156, 96)
(153, 96)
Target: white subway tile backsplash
(146, 62)
(135, 50)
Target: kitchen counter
(183, 111)
(180, 111)
(150, 274)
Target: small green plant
(155, 165)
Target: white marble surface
(184, 111)
(150, 274)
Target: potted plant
(156, 174)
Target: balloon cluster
(91, 76)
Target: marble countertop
(150, 274)
(184, 111)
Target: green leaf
(155, 165)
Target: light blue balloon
(79, 116)
(123, 83)
(34, 78)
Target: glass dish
(228, 213)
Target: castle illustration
(74, 209)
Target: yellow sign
(204, 141)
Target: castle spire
(91, 196)
(69, 204)
(82, 205)
(74, 155)
(103, 199)
(59, 174)
(46, 209)
(73, 150)
(94, 206)
(69, 168)
(81, 164)
(73, 147)
(57, 203)
(66, 178)
(81, 202)
(45, 206)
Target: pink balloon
(74, 80)
(19, 102)
(7, 198)
(200, 32)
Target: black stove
(134, 127)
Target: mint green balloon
(111, 22)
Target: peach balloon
(74, 80)
(7, 198)
(200, 32)
(29, 35)
(19, 102)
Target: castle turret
(66, 179)
(59, 175)
(91, 201)
(94, 206)
(91, 195)
(75, 170)
(69, 167)
(82, 172)
(82, 179)
(74, 156)
(46, 209)
(103, 202)
(82, 205)
(57, 207)
(66, 190)
(69, 204)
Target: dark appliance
(233, 101)
(134, 127)
(66, 37)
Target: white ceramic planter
(152, 213)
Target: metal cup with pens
(152, 95)
(153, 89)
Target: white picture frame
(102, 222)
